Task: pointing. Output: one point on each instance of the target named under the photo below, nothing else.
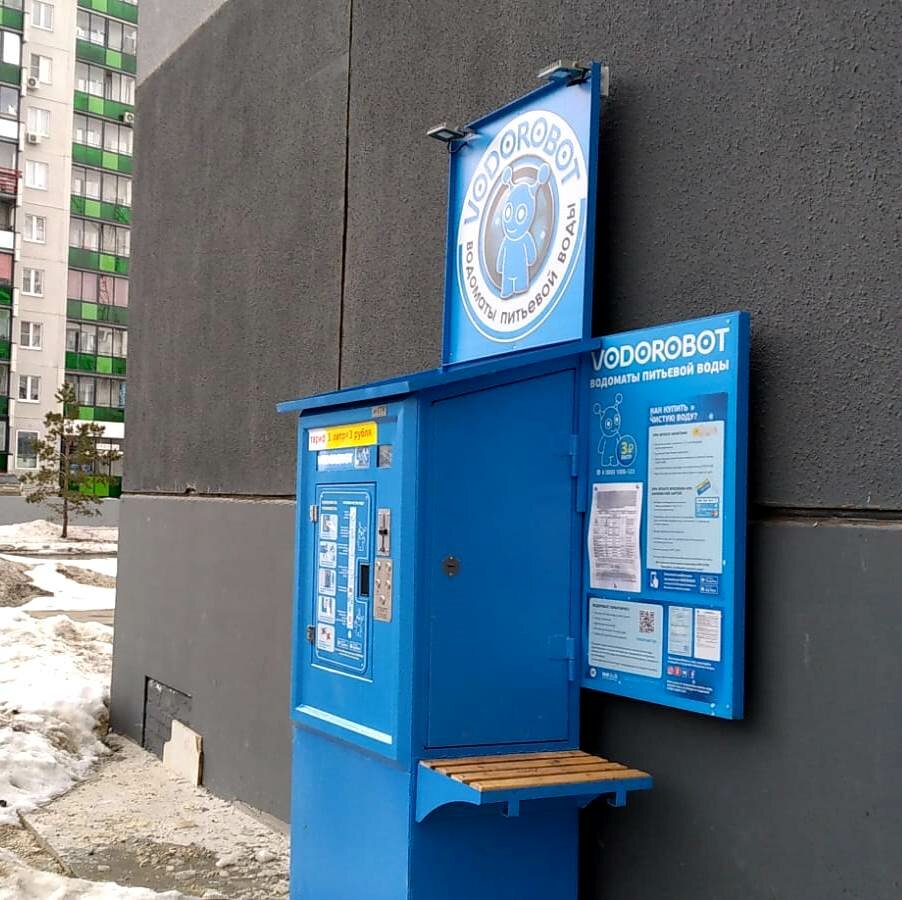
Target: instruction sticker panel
(342, 602)
(665, 528)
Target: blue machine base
(342, 798)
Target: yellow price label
(356, 434)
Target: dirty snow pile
(41, 536)
(18, 882)
(54, 688)
(61, 592)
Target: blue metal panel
(355, 686)
(350, 822)
(521, 215)
(463, 853)
(380, 391)
(666, 495)
(499, 489)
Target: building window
(26, 454)
(84, 235)
(39, 121)
(30, 335)
(36, 174)
(12, 4)
(9, 102)
(29, 388)
(120, 343)
(85, 391)
(72, 338)
(5, 316)
(4, 381)
(33, 282)
(42, 15)
(41, 68)
(87, 339)
(96, 288)
(97, 133)
(104, 83)
(11, 48)
(35, 228)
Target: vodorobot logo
(522, 225)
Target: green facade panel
(88, 362)
(97, 106)
(113, 59)
(96, 209)
(4, 406)
(102, 159)
(102, 262)
(126, 11)
(10, 74)
(97, 312)
(105, 414)
(5, 349)
(6, 294)
(11, 18)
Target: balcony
(11, 18)
(113, 59)
(9, 182)
(116, 8)
(103, 159)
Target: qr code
(646, 621)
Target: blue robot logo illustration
(522, 224)
(518, 249)
(614, 447)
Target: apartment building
(66, 115)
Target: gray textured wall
(289, 238)
(240, 214)
(749, 157)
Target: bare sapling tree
(71, 464)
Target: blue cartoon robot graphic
(615, 448)
(518, 248)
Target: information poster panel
(341, 591)
(667, 414)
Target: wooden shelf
(513, 778)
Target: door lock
(451, 566)
(311, 634)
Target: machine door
(499, 506)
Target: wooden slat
(504, 766)
(511, 757)
(549, 780)
(514, 774)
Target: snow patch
(54, 691)
(19, 882)
(43, 536)
(64, 592)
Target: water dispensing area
(546, 512)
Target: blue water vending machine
(470, 552)
(436, 687)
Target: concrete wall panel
(204, 606)
(801, 799)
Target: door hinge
(571, 659)
(311, 634)
(564, 647)
(314, 513)
(574, 455)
